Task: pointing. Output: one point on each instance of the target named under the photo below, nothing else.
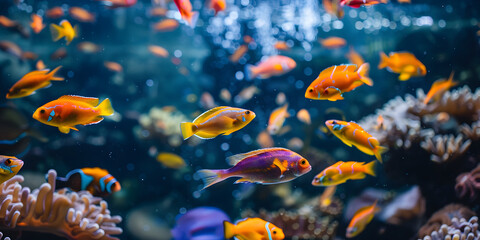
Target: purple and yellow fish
(264, 166)
(353, 134)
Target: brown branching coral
(444, 216)
(468, 184)
(73, 215)
(408, 122)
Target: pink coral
(73, 215)
(468, 184)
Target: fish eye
(310, 90)
(247, 112)
(274, 232)
(334, 122)
(303, 162)
(8, 162)
(42, 111)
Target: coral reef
(468, 184)
(405, 208)
(459, 229)
(445, 217)
(162, 123)
(444, 129)
(72, 215)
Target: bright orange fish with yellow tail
(33, 81)
(361, 219)
(439, 87)
(332, 82)
(404, 63)
(353, 134)
(340, 172)
(69, 111)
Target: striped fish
(340, 172)
(97, 181)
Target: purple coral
(468, 184)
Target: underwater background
(429, 176)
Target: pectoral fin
(346, 142)
(280, 166)
(243, 180)
(404, 76)
(66, 129)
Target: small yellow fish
(216, 121)
(171, 160)
(9, 167)
(327, 195)
(65, 29)
(404, 63)
(304, 116)
(361, 219)
(277, 118)
(253, 229)
(439, 87)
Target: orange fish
(340, 172)
(40, 65)
(81, 14)
(158, 51)
(246, 94)
(216, 121)
(37, 23)
(354, 57)
(277, 118)
(265, 140)
(65, 29)
(218, 5)
(404, 63)
(361, 219)
(252, 229)
(439, 87)
(158, 12)
(54, 13)
(359, 3)
(88, 47)
(271, 66)
(113, 66)
(333, 42)
(185, 8)
(69, 111)
(59, 54)
(207, 101)
(238, 53)
(97, 181)
(353, 134)
(166, 25)
(225, 95)
(304, 116)
(404, 1)
(327, 195)
(380, 124)
(11, 48)
(112, 4)
(333, 8)
(33, 81)
(332, 82)
(281, 45)
(6, 22)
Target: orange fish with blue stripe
(353, 134)
(71, 110)
(404, 63)
(340, 172)
(217, 121)
(252, 229)
(439, 87)
(332, 82)
(99, 182)
(33, 81)
(361, 219)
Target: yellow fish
(253, 229)
(361, 219)
(33, 81)
(9, 167)
(216, 121)
(65, 29)
(277, 118)
(404, 63)
(171, 160)
(439, 87)
(353, 134)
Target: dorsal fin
(39, 72)
(91, 101)
(208, 113)
(233, 160)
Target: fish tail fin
(450, 79)
(209, 177)
(192, 19)
(57, 32)
(383, 61)
(188, 129)
(52, 74)
(363, 72)
(370, 168)
(228, 229)
(378, 151)
(105, 108)
(250, 72)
